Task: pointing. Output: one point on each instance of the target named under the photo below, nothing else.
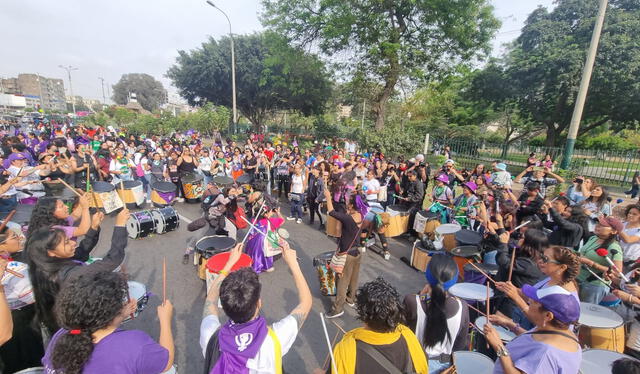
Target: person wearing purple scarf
(245, 344)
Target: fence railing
(613, 168)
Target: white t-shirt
(630, 251)
(297, 185)
(372, 185)
(265, 362)
(19, 291)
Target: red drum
(217, 262)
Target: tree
(207, 119)
(545, 64)
(387, 41)
(149, 92)
(270, 76)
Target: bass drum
(141, 224)
(137, 291)
(166, 219)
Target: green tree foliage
(545, 63)
(270, 76)
(386, 41)
(149, 92)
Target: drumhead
(448, 228)
(470, 291)
(223, 180)
(490, 269)
(598, 316)
(428, 214)
(215, 243)
(191, 178)
(128, 185)
(164, 186)
(100, 186)
(468, 237)
(504, 334)
(244, 179)
(217, 262)
(467, 362)
(599, 360)
(466, 251)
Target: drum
(466, 237)
(207, 247)
(399, 221)
(600, 327)
(36, 370)
(133, 194)
(470, 291)
(447, 234)
(420, 256)
(193, 187)
(599, 360)
(137, 291)
(326, 276)
(334, 227)
(141, 224)
(166, 219)
(504, 334)
(163, 194)
(472, 275)
(463, 255)
(245, 179)
(223, 180)
(467, 362)
(105, 197)
(217, 262)
(426, 223)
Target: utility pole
(584, 87)
(104, 99)
(69, 69)
(364, 104)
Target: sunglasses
(546, 260)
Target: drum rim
(472, 285)
(214, 236)
(448, 225)
(498, 328)
(621, 322)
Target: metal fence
(612, 168)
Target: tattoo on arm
(300, 317)
(210, 308)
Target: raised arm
(6, 322)
(85, 217)
(301, 311)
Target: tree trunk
(380, 106)
(552, 135)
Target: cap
(16, 156)
(471, 185)
(557, 300)
(612, 222)
(501, 166)
(450, 161)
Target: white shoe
(180, 200)
(148, 201)
(387, 255)
(329, 316)
(298, 220)
(290, 218)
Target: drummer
(551, 346)
(441, 192)
(464, 204)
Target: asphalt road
(187, 292)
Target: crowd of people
(62, 310)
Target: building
(9, 86)
(14, 102)
(38, 91)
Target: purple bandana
(239, 343)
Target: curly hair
(629, 207)
(378, 305)
(42, 215)
(566, 256)
(88, 304)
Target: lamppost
(233, 67)
(104, 99)
(69, 69)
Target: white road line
(187, 220)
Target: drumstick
(253, 226)
(488, 312)
(7, 219)
(164, 280)
(481, 271)
(519, 226)
(69, 187)
(254, 221)
(324, 365)
(339, 327)
(513, 260)
(326, 334)
(87, 187)
(478, 310)
(595, 275)
(122, 185)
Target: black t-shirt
(250, 162)
(396, 352)
(349, 232)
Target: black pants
(314, 208)
(24, 349)
(283, 186)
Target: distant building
(344, 111)
(38, 91)
(9, 86)
(14, 102)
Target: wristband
(224, 272)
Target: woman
(120, 166)
(271, 220)
(24, 349)
(561, 265)
(548, 162)
(630, 234)
(173, 173)
(597, 204)
(82, 163)
(236, 162)
(204, 168)
(570, 225)
(249, 164)
(90, 340)
(51, 212)
(594, 254)
(296, 197)
(551, 346)
(477, 172)
(635, 185)
(187, 163)
(464, 204)
(54, 259)
(438, 319)
(532, 160)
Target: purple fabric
(167, 196)
(123, 352)
(239, 343)
(32, 200)
(531, 356)
(68, 230)
(362, 206)
(255, 250)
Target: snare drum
(217, 263)
(426, 223)
(141, 224)
(505, 335)
(193, 187)
(137, 291)
(599, 360)
(334, 227)
(105, 197)
(470, 291)
(163, 194)
(463, 255)
(133, 195)
(166, 219)
(467, 362)
(420, 256)
(398, 222)
(447, 234)
(600, 327)
(472, 275)
(207, 247)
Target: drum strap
(388, 366)
(547, 332)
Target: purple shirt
(122, 352)
(532, 357)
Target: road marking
(187, 220)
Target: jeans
(590, 293)
(347, 283)
(8, 204)
(436, 367)
(296, 206)
(633, 191)
(147, 179)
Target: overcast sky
(112, 37)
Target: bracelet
(223, 272)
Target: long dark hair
(578, 216)
(42, 215)
(600, 201)
(535, 241)
(443, 268)
(43, 272)
(88, 304)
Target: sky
(113, 37)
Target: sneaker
(148, 201)
(353, 305)
(334, 315)
(180, 200)
(322, 226)
(290, 218)
(387, 255)
(185, 259)
(362, 249)
(269, 270)
(299, 220)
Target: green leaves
(150, 92)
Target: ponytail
(442, 269)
